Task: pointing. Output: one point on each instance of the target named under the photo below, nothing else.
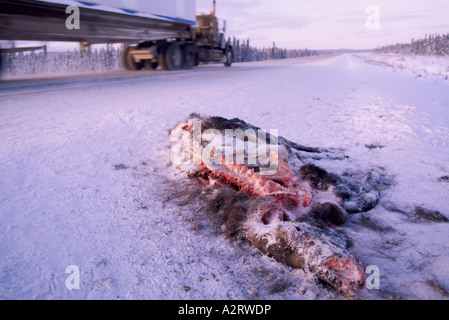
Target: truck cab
(210, 40)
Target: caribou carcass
(291, 205)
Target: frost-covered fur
(301, 235)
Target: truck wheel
(174, 57)
(161, 51)
(189, 56)
(128, 61)
(229, 57)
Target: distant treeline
(432, 44)
(109, 58)
(244, 52)
(27, 63)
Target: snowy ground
(434, 67)
(85, 179)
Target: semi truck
(166, 34)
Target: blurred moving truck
(167, 34)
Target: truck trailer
(168, 34)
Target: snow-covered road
(85, 179)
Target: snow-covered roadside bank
(434, 67)
(85, 179)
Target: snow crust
(85, 179)
(430, 66)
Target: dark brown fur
(329, 213)
(429, 215)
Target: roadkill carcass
(274, 196)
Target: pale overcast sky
(326, 24)
(329, 24)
